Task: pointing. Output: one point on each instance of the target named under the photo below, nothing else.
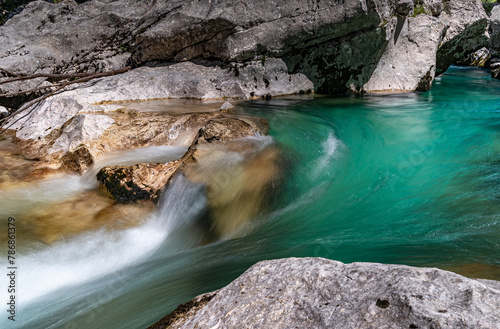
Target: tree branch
(86, 78)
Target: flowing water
(408, 179)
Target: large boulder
(467, 31)
(336, 44)
(321, 293)
(424, 45)
(409, 61)
(146, 180)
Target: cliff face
(321, 293)
(371, 45)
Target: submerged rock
(146, 180)
(321, 293)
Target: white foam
(329, 152)
(95, 254)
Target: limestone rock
(321, 293)
(467, 31)
(409, 62)
(336, 44)
(49, 133)
(435, 7)
(139, 182)
(480, 58)
(83, 127)
(226, 107)
(3, 112)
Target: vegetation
(489, 4)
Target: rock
(321, 293)
(435, 7)
(83, 128)
(480, 58)
(495, 41)
(409, 61)
(336, 44)
(404, 7)
(3, 112)
(48, 132)
(226, 107)
(466, 33)
(139, 182)
(423, 46)
(146, 180)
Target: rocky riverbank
(244, 49)
(321, 293)
(232, 50)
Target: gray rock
(409, 62)
(226, 107)
(480, 58)
(404, 7)
(467, 32)
(241, 80)
(83, 127)
(3, 112)
(321, 293)
(435, 7)
(336, 44)
(66, 37)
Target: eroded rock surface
(146, 180)
(409, 62)
(321, 293)
(467, 31)
(237, 49)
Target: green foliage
(419, 10)
(488, 5)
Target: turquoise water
(410, 179)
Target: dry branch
(45, 75)
(84, 77)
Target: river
(405, 178)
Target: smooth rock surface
(83, 127)
(321, 293)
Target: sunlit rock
(321, 293)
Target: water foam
(95, 254)
(329, 152)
